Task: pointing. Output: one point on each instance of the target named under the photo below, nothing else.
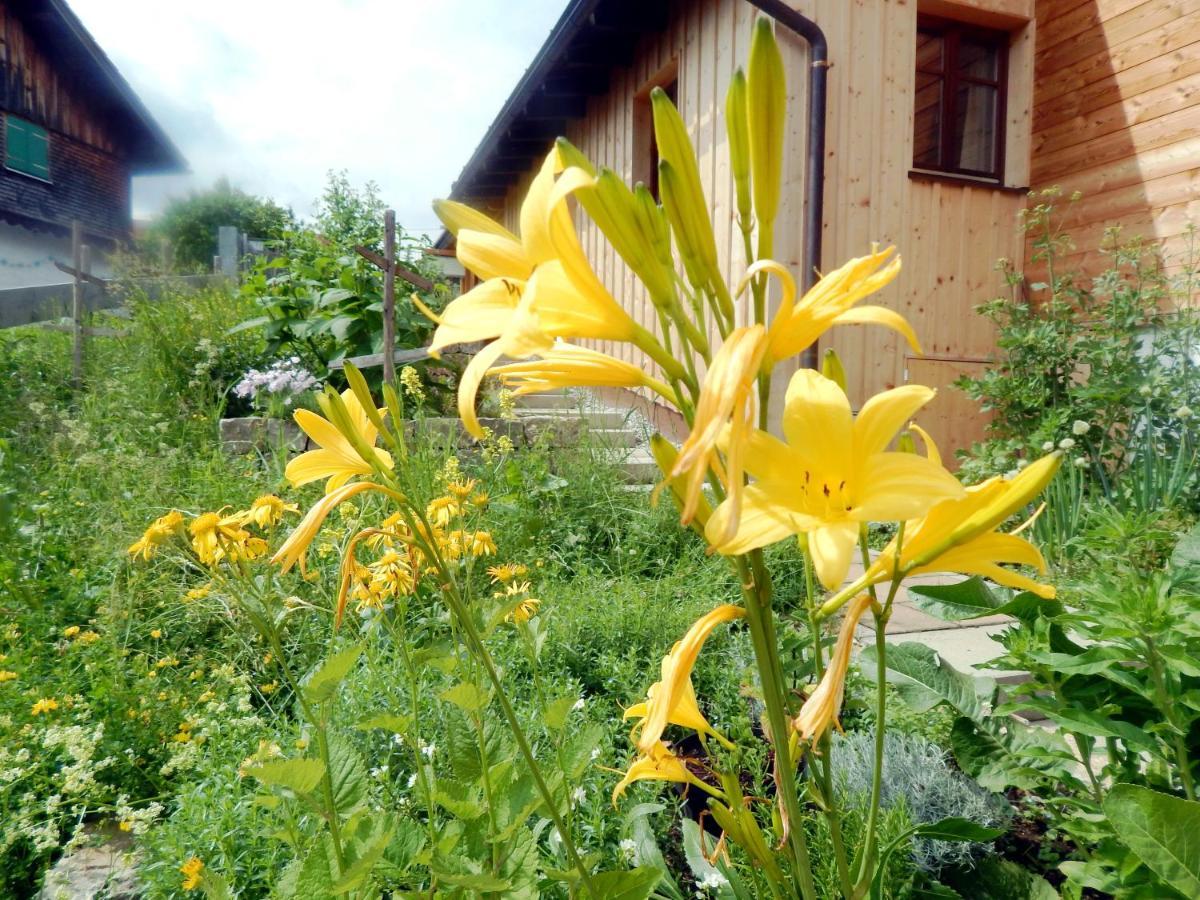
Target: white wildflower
(713, 881)
(1184, 413)
(1079, 427)
(578, 796)
(1066, 444)
(1081, 462)
(1048, 446)
(578, 704)
(629, 851)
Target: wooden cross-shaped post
(391, 269)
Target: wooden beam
(417, 281)
(372, 360)
(85, 276)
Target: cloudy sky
(273, 93)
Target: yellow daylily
(670, 695)
(831, 476)
(537, 287)
(336, 460)
(725, 410)
(831, 301)
(160, 531)
(566, 365)
(657, 764)
(821, 708)
(685, 713)
(295, 548)
(960, 535)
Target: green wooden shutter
(26, 147)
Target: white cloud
(274, 93)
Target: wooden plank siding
(1117, 118)
(950, 235)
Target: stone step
(548, 400)
(616, 437)
(639, 467)
(596, 418)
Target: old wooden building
(941, 116)
(73, 134)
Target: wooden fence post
(77, 304)
(389, 297)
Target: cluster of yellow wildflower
(44, 705)
(216, 536)
(191, 871)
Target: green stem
(756, 595)
(1182, 760)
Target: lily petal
(885, 414)
(491, 255)
(904, 486)
(881, 315)
(832, 548)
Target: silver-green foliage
(918, 774)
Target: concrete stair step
(596, 418)
(616, 437)
(639, 467)
(548, 400)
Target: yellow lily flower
(960, 535)
(685, 713)
(566, 365)
(337, 459)
(536, 288)
(160, 531)
(821, 708)
(295, 548)
(832, 475)
(657, 764)
(830, 302)
(669, 697)
(725, 410)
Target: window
(958, 116)
(26, 148)
(645, 147)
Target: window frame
(951, 33)
(644, 142)
(26, 166)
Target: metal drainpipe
(814, 174)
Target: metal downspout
(814, 172)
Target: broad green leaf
(697, 856)
(256, 322)
(299, 775)
(460, 800)
(466, 697)
(474, 882)
(1180, 660)
(1099, 726)
(348, 776)
(1163, 831)
(646, 852)
(959, 830)
(321, 684)
(636, 884)
(556, 712)
(924, 680)
(360, 870)
(974, 598)
(387, 722)
(1187, 551)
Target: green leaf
(321, 684)
(1163, 831)
(697, 858)
(360, 870)
(556, 712)
(301, 776)
(995, 878)
(924, 680)
(636, 884)
(958, 830)
(473, 881)
(1187, 552)
(348, 775)
(466, 697)
(386, 722)
(256, 322)
(460, 800)
(973, 599)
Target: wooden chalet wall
(89, 179)
(1117, 118)
(950, 235)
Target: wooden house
(72, 134)
(940, 116)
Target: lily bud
(905, 443)
(766, 89)
(683, 223)
(665, 455)
(739, 144)
(831, 368)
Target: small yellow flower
(460, 488)
(160, 531)
(506, 572)
(267, 511)
(482, 544)
(45, 705)
(156, 633)
(214, 535)
(197, 593)
(480, 499)
(525, 610)
(70, 631)
(191, 873)
(441, 510)
(269, 688)
(126, 825)
(6, 675)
